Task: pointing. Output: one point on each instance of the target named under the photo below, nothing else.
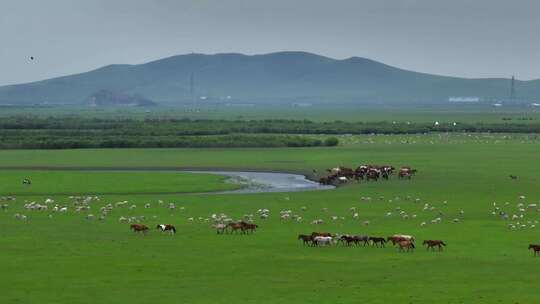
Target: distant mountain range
(269, 78)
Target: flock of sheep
(517, 216)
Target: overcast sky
(470, 38)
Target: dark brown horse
(139, 228)
(409, 245)
(306, 239)
(248, 227)
(235, 227)
(377, 240)
(535, 248)
(434, 243)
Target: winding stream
(264, 182)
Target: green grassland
(67, 258)
(79, 182)
(481, 113)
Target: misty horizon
(480, 39)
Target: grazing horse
(235, 227)
(373, 174)
(322, 241)
(167, 228)
(347, 240)
(514, 177)
(535, 248)
(406, 172)
(26, 181)
(306, 239)
(139, 228)
(377, 240)
(361, 238)
(220, 228)
(409, 245)
(396, 238)
(314, 234)
(249, 228)
(432, 243)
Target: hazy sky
(471, 38)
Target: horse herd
(364, 172)
(221, 228)
(404, 242)
(141, 228)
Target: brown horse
(306, 239)
(434, 243)
(535, 248)
(139, 228)
(409, 245)
(396, 238)
(248, 228)
(235, 227)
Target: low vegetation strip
(22, 132)
(43, 139)
(78, 125)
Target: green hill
(270, 78)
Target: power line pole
(513, 89)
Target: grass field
(419, 113)
(67, 258)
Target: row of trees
(42, 140)
(180, 127)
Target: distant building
(302, 104)
(110, 98)
(239, 104)
(464, 99)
